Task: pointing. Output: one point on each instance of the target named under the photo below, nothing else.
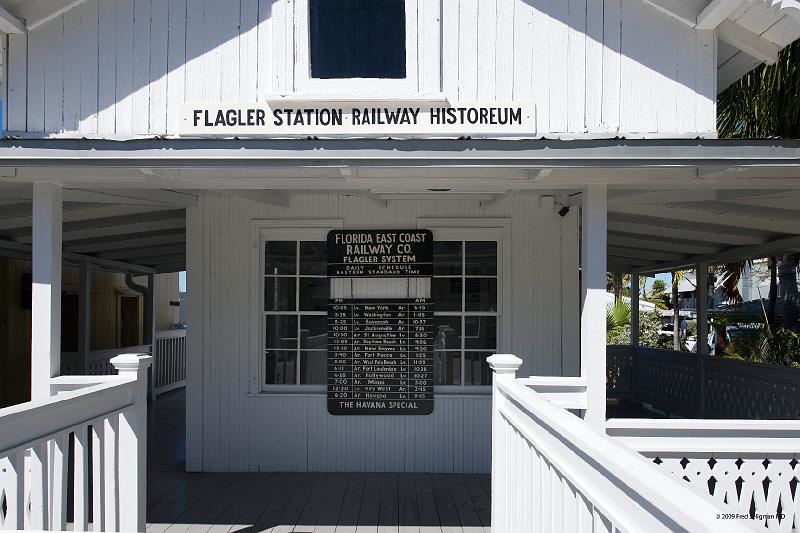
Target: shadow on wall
(123, 66)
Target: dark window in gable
(357, 38)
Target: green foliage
(757, 346)
(765, 102)
(649, 336)
(618, 315)
(659, 287)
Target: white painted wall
(602, 67)
(231, 429)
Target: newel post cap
(504, 363)
(131, 362)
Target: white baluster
(80, 498)
(58, 485)
(110, 481)
(39, 479)
(97, 475)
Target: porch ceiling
(118, 230)
(672, 202)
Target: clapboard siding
(231, 429)
(121, 67)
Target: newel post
(132, 462)
(504, 368)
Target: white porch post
(150, 325)
(46, 290)
(84, 316)
(635, 310)
(133, 444)
(504, 367)
(593, 310)
(702, 335)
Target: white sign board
(338, 119)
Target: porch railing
(752, 465)
(551, 472)
(95, 429)
(169, 361)
(668, 380)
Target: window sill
(384, 96)
(321, 390)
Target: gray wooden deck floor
(300, 502)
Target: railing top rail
(170, 333)
(37, 420)
(112, 352)
(620, 482)
(703, 436)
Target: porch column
(46, 290)
(84, 316)
(702, 335)
(635, 310)
(593, 309)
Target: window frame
(423, 21)
(277, 230)
(474, 229)
(471, 230)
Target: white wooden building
(543, 143)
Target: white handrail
(552, 472)
(35, 442)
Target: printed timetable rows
(380, 350)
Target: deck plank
(388, 512)
(448, 514)
(348, 519)
(234, 510)
(204, 507)
(332, 507)
(370, 505)
(426, 505)
(178, 502)
(269, 517)
(408, 514)
(480, 499)
(291, 512)
(307, 521)
(470, 522)
(264, 491)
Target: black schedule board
(380, 253)
(380, 356)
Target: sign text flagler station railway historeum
(358, 118)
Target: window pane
(480, 294)
(448, 333)
(280, 257)
(447, 367)
(357, 38)
(313, 332)
(281, 331)
(281, 367)
(476, 369)
(446, 293)
(480, 258)
(314, 258)
(279, 294)
(313, 368)
(314, 294)
(481, 332)
(447, 258)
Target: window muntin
(357, 39)
(464, 292)
(296, 291)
